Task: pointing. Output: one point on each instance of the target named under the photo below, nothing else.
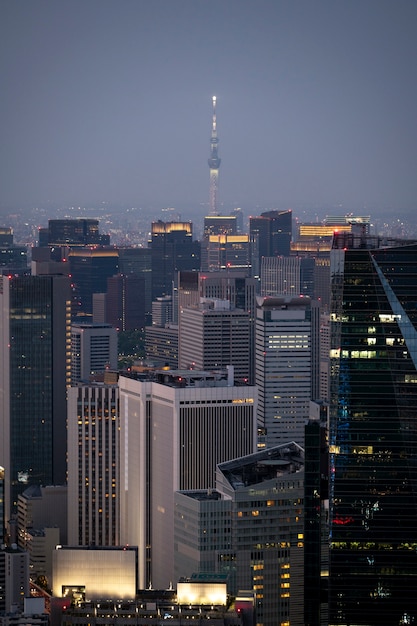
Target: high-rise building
(90, 269)
(280, 275)
(266, 490)
(93, 465)
(214, 162)
(93, 350)
(287, 365)
(161, 345)
(237, 287)
(270, 235)
(125, 302)
(213, 336)
(220, 225)
(172, 250)
(203, 531)
(138, 262)
(72, 232)
(175, 429)
(35, 317)
(227, 253)
(373, 432)
(12, 256)
(162, 311)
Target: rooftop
(271, 463)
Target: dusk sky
(111, 101)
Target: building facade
(267, 494)
(373, 432)
(287, 365)
(174, 430)
(93, 350)
(35, 317)
(93, 465)
(213, 336)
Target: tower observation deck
(214, 163)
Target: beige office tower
(174, 431)
(213, 335)
(93, 465)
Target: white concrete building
(174, 430)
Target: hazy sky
(110, 100)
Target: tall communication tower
(214, 163)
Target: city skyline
(111, 102)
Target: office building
(12, 256)
(93, 350)
(202, 531)
(237, 287)
(174, 430)
(172, 250)
(220, 225)
(270, 235)
(90, 268)
(41, 507)
(72, 232)
(125, 302)
(229, 253)
(14, 578)
(35, 316)
(373, 432)
(93, 465)
(162, 311)
(266, 490)
(287, 365)
(213, 336)
(138, 262)
(161, 345)
(280, 276)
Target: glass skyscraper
(373, 432)
(34, 373)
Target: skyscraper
(214, 162)
(373, 432)
(174, 429)
(93, 349)
(69, 232)
(270, 235)
(35, 317)
(93, 465)
(90, 269)
(214, 335)
(267, 490)
(125, 301)
(287, 365)
(173, 249)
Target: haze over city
(110, 102)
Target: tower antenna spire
(214, 162)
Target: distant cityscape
(208, 415)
